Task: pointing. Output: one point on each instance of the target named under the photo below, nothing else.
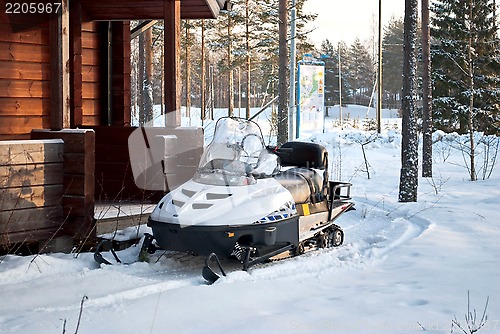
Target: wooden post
(172, 45)
(75, 49)
(121, 74)
(59, 80)
(31, 186)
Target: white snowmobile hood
(199, 204)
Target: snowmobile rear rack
(340, 194)
(336, 192)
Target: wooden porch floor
(116, 216)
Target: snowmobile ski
(97, 253)
(208, 273)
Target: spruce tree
(361, 71)
(331, 73)
(453, 29)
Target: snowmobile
(251, 203)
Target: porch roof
(108, 10)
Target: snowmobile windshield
(234, 155)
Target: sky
(346, 20)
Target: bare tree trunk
(282, 85)
(470, 124)
(379, 70)
(162, 82)
(248, 64)
(188, 72)
(203, 72)
(140, 80)
(211, 90)
(409, 145)
(230, 111)
(427, 94)
(148, 79)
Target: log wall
(31, 188)
(24, 78)
(91, 76)
(78, 180)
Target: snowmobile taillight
(230, 234)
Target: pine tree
(282, 75)
(426, 93)
(392, 60)
(303, 18)
(457, 24)
(232, 48)
(187, 43)
(409, 145)
(266, 47)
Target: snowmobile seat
(307, 155)
(304, 184)
(304, 156)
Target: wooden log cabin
(65, 110)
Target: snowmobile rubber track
(309, 245)
(305, 246)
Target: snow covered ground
(403, 267)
